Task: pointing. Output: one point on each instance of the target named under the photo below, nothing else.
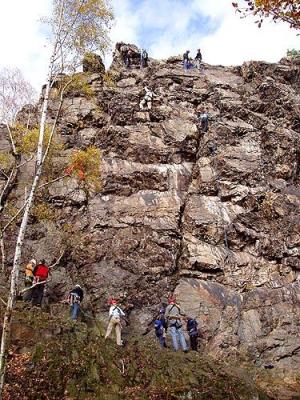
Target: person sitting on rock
(186, 60)
(115, 315)
(147, 99)
(192, 328)
(144, 58)
(198, 59)
(203, 119)
(75, 298)
(174, 315)
(29, 279)
(40, 273)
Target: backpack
(192, 329)
(159, 327)
(74, 298)
(145, 55)
(41, 272)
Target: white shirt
(115, 311)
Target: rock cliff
(212, 216)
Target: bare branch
(54, 180)
(13, 146)
(14, 217)
(58, 260)
(2, 251)
(3, 301)
(36, 284)
(3, 173)
(25, 162)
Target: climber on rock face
(174, 315)
(75, 298)
(29, 279)
(186, 60)
(203, 119)
(40, 273)
(115, 315)
(144, 58)
(198, 59)
(147, 99)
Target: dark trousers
(37, 294)
(162, 341)
(194, 342)
(27, 296)
(127, 61)
(204, 125)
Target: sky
(163, 27)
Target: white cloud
(232, 41)
(22, 44)
(167, 26)
(237, 40)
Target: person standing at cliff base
(192, 328)
(40, 273)
(160, 326)
(174, 315)
(115, 315)
(75, 298)
(29, 279)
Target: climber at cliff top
(174, 315)
(198, 59)
(115, 315)
(144, 58)
(147, 99)
(75, 298)
(127, 56)
(186, 60)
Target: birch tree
(15, 92)
(77, 27)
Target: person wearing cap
(75, 298)
(174, 315)
(29, 279)
(115, 315)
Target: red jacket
(41, 271)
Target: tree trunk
(18, 251)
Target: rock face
(213, 216)
(93, 63)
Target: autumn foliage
(85, 166)
(279, 10)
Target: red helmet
(112, 301)
(171, 300)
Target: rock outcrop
(212, 216)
